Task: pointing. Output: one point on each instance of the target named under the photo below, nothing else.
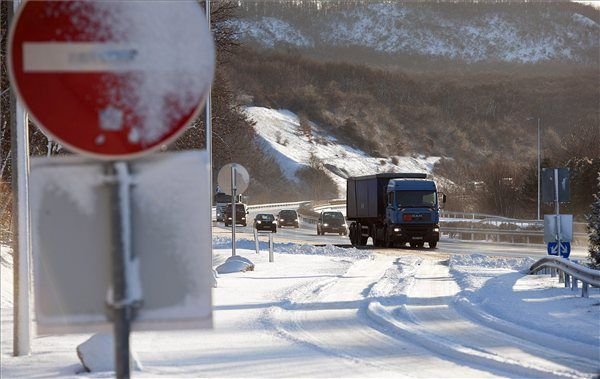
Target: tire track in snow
(330, 317)
(428, 319)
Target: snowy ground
(331, 312)
(284, 140)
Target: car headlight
(436, 230)
(396, 230)
(325, 224)
(243, 218)
(259, 222)
(274, 222)
(229, 218)
(296, 220)
(281, 219)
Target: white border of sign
(167, 141)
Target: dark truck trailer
(393, 209)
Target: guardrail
(570, 273)
(276, 205)
(525, 235)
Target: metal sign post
(233, 207)
(122, 299)
(557, 206)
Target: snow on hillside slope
(481, 35)
(292, 149)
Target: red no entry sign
(112, 79)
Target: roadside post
(271, 258)
(256, 242)
(113, 101)
(233, 178)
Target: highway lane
(307, 234)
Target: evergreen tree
(594, 229)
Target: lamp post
(538, 164)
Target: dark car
(265, 221)
(287, 217)
(332, 222)
(240, 215)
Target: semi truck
(393, 209)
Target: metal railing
(524, 235)
(570, 273)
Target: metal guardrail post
(567, 280)
(573, 284)
(271, 258)
(584, 290)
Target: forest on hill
(474, 121)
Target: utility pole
(538, 168)
(20, 219)
(209, 125)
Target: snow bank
(220, 242)
(497, 290)
(235, 263)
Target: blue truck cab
(394, 209)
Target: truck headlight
(281, 219)
(274, 222)
(259, 222)
(437, 230)
(396, 230)
(325, 224)
(229, 218)
(296, 220)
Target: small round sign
(242, 178)
(112, 79)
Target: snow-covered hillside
(293, 149)
(506, 34)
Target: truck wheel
(432, 245)
(363, 240)
(413, 245)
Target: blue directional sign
(565, 249)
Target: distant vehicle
(394, 209)
(287, 217)
(332, 222)
(240, 215)
(221, 201)
(265, 221)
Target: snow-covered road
(331, 312)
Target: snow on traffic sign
(565, 249)
(112, 79)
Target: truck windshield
(416, 198)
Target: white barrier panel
(71, 218)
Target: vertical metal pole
(271, 259)
(208, 111)
(557, 209)
(21, 221)
(121, 255)
(256, 242)
(538, 169)
(233, 208)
